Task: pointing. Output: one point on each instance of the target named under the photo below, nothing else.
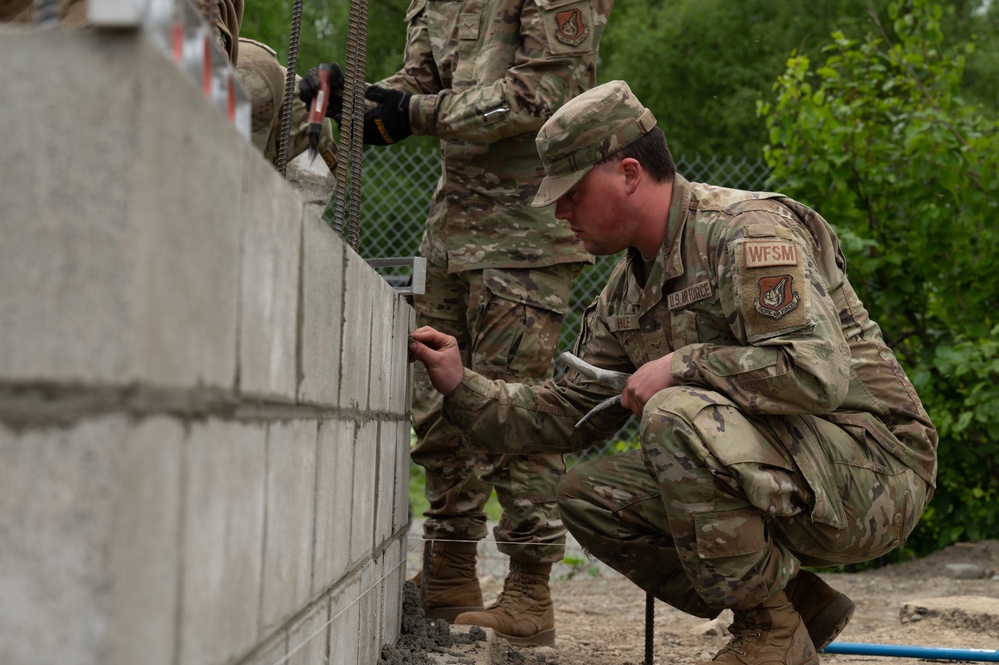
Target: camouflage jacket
(485, 75)
(750, 291)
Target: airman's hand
(439, 353)
(647, 380)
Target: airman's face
(592, 210)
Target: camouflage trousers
(719, 509)
(507, 323)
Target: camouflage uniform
(264, 79)
(71, 12)
(484, 77)
(793, 437)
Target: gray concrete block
(362, 534)
(401, 516)
(308, 639)
(57, 489)
(322, 314)
(380, 356)
(88, 542)
(145, 557)
(103, 246)
(269, 288)
(383, 348)
(388, 477)
(273, 652)
(407, 390)
(334, 497)
(360, 287)
(392, 578)
(288, 538)
(223, 541)
(399, 401)
(345, 625)
(369, 605)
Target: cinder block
(399, 400)
(365, 489)
(401, 516)
(104, 247)
(146, 549)
(322, 314)
(345, 626)
(57, 489)
(383, 348)
(369, 604)
(360, 289)
(308, 639)
(407, 389)
(291, 499)
(393, 576)
(334, 502)
(387, 475)
(271, 256)
(223, 541)
(274, 651)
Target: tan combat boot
(452, 582)
(523, 614)
(771, 633)
(824, 610)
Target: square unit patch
(773, 291)
(569, 28)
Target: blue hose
(902, 651)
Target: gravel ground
(949, 599)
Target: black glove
(388, 122)
(309, 86)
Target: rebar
(289, 87)
(650, 625)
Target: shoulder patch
(773, 290)
(569, 28)
(768, 253)
(777, 296)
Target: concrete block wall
(204, 393)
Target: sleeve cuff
(423, 115)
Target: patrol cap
(584, 132)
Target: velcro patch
(773, 290)
(692, 293)
(768, 253)
(570, 28)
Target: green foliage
(700, 65)
(323, 36)
(879, 139)
(578, 564)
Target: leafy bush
(878, 139)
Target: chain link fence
(396, 188)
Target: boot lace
(514, 589)
(743, 629)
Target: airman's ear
(633, 173)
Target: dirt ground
(949, 599)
